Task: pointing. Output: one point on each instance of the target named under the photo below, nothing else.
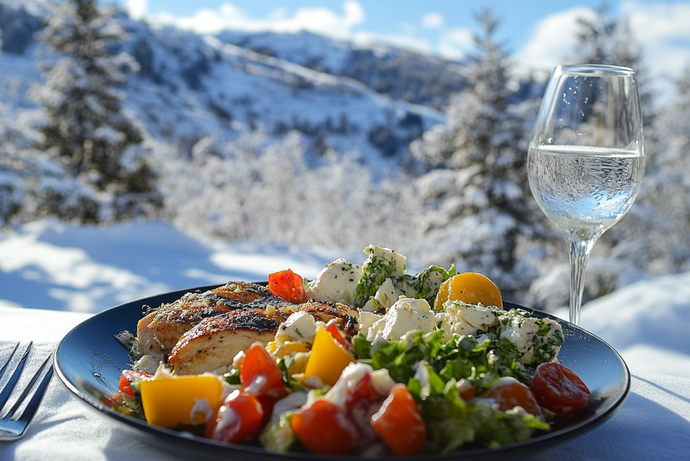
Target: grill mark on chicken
(244, 292)
(214, 342)
(159, 331)
(203, 331)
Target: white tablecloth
(654, 422)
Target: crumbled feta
(203, 407)
(460, 318)
(148, 363)
(385, 296)
(300, 326)
(336, 282)
(227, 415)
(538, 340)
(407, 314)
(367, 319)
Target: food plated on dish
(363, 360)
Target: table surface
(653, 423)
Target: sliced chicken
(215, 341)
(244, 292)
(159, 331)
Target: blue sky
(540, 34)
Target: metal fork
(14, 423)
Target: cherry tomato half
(400, 424)
(511, 394)
(332, 328)
(239, 418)
(559, 389)
(469, 287)
(362, 390)
(260, 376)
(287, 285)
(126, 378)
(323, 428)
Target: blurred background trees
(86, 129)
(479, 208)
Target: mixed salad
(435, 365)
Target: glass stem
(579, 255)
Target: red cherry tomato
(332, 328)
(260, 376)
(400, 424)
(323, 428)
(239, 418)
(287, 285)
(467, 394)
(362, 390)
(511, 394)
(126, 378)
(559, 389)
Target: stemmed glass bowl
(586, 158)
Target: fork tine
(35, 401)
(27, 390)
(9, 359)
(9, 386)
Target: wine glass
(586, 158)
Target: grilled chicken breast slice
(244, 292)
(215, 341)
(159, 331)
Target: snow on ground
(53, 266)
(49, 265)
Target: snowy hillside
(191, 86)
(397, 73)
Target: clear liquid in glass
(584, 190)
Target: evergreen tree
(607, 40)
(86, 129)
(477, 188)
(662, 246)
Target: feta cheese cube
(300, 326)
(538, 340)
(460, 318)
(407, 314)
(336, 282)
(385, 297)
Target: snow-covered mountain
(370, 101)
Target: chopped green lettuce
(481, 361)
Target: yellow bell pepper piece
(168, 402)
(288, 348)
(327, 359)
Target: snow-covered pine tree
(480, 208)
(602, 39)
(85, 128)
(665, 201)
